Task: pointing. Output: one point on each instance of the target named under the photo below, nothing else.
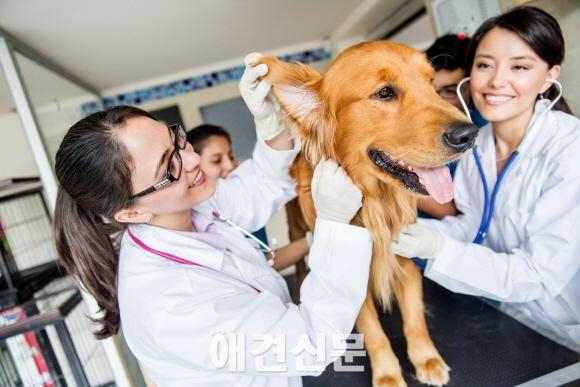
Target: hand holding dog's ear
(335, 196)
(257, 95)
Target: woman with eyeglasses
(198, 303)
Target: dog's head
(376, 112)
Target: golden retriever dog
(376, 113)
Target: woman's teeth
(497, 99)
(197, 179)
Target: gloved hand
(335, 197)
(260, 101)
(419, 241)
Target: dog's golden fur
(339, 116)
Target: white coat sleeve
(331, 297)
(541, 267)
(256, 189)
(463, 226)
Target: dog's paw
(433, 372)
(389, 381)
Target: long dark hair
(94, 171)
(539, 30)
(199, 135)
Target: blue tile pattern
(194, 83)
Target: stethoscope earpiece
(560, 92)
(463, 104)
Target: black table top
(482, 345)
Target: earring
(149, 219)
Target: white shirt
(531, 256)
(169, 311)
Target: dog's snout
(460, 136)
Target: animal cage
(46, 338)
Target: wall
(61, 112)
(190, 103)
(418, 34)
(567, 12)
(15, 156)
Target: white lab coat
(531, 257)
(169, 311)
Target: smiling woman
(162, 158)
(520, 245)
(185, 269)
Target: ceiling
(111, 43)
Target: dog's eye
(385, 94)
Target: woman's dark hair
(199, 135)
(448, 52)
(539, 30)
(94, 171)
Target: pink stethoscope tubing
(182, 261)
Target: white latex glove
(258, 97)
(335, 197)
(419, 241)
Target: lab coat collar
(201, 222)
(538, 132)
(541, 126)
(183, 244)
(485, 142)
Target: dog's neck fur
(385, 209)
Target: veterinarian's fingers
(319, 172)
(251, 75)
(330, 167)
(406, 230)
(251, 58)
(260, 70)
(262, 90)
(316, 177)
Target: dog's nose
(460, 136)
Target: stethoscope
(489, 202)
(263, 247)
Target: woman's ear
(553, 73)
(132, 216)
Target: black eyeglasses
(173, 172)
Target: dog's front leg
(429, 366)
(384, 364)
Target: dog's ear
(297, 88)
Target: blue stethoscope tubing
(489, 203)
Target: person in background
(447, 57)
(516, 242)
(214, 145)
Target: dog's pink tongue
(437, 181)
